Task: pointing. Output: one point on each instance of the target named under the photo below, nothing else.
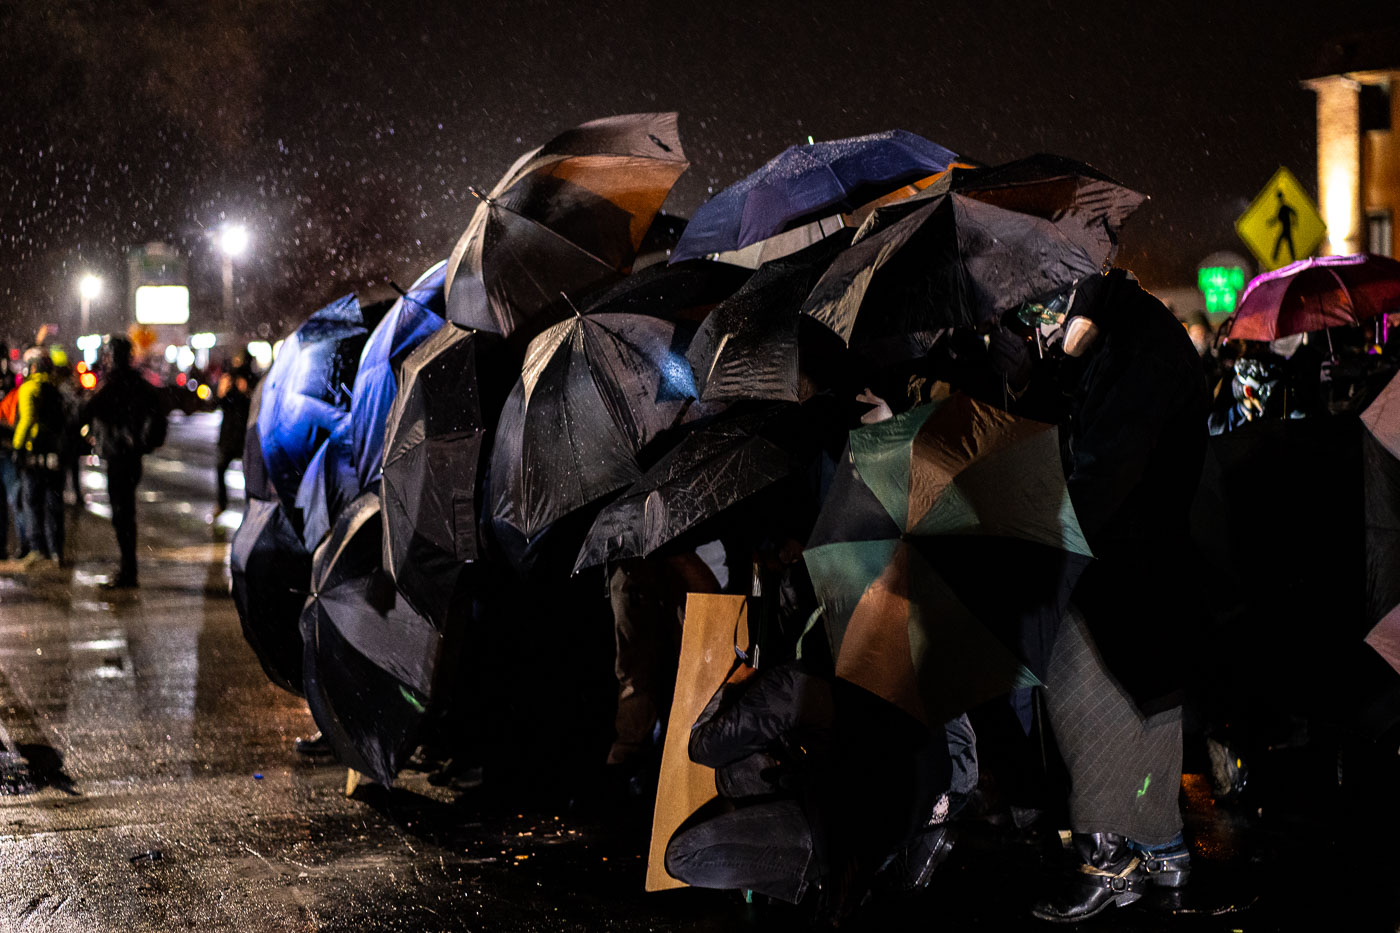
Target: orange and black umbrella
(567, 219)
(941, 552)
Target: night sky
(345, 133)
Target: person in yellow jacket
(36, 441)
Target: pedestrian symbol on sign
(1282, 224)
(1284, 220)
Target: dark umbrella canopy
(271, 571)
(566, 219)
(370, 660)
(683, 291)
(709, 472)
(952, 262)
(416, 315)
(1312, 294)
(805, 182)
(433, 447)
(1085, 205)
(1381, 458)
(327, 486)
(747, 347)
(306, 393)
(915, 491)
(594, 391)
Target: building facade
(1357, 84)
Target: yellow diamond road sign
(1282, 225)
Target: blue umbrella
(803, 183)
(328, 485)
(307, 392)
(416, 316)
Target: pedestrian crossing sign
(1282, 225)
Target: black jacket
(1134, 439)
(127, 415)
(758, 734)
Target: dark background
(345, 132)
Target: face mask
(1048, 314)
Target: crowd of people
(48, 424)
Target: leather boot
(1110, 873)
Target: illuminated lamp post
(89, 287)
(232, 242)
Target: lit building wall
(1380, 164)
(1339, 161)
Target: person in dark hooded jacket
(128, 421)
(1133, 405)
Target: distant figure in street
(235, 399)
(128, 421)
(11, 503)
(1285, 218)
(70, 453)
(37, 440)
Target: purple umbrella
(1313, 294)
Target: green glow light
(1221, 286)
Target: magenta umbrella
(1313, 294)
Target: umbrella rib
(493, 202)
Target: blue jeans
(11, 505)
(43, 501)
(765, 847)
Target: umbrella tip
(476, 193)
(573, 307)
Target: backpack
(49, 419)
(9, 408)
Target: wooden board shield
(713, 625)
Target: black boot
(1110, 874)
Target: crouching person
(767, 736)
(820, 783)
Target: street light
(89, 287)
(233, 242)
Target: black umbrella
(370, 660)
(748, 346)
(271, 571)
(953, 261)
(707, 473)
(566, 219)
(433, 445)
(1084, 204)
(679, 291)
(1381, 456)
(595, 390)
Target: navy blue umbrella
(306, 393)
(803, 183)
(417, 315)
(271, 576)
(328, 485)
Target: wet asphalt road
(171, 798)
